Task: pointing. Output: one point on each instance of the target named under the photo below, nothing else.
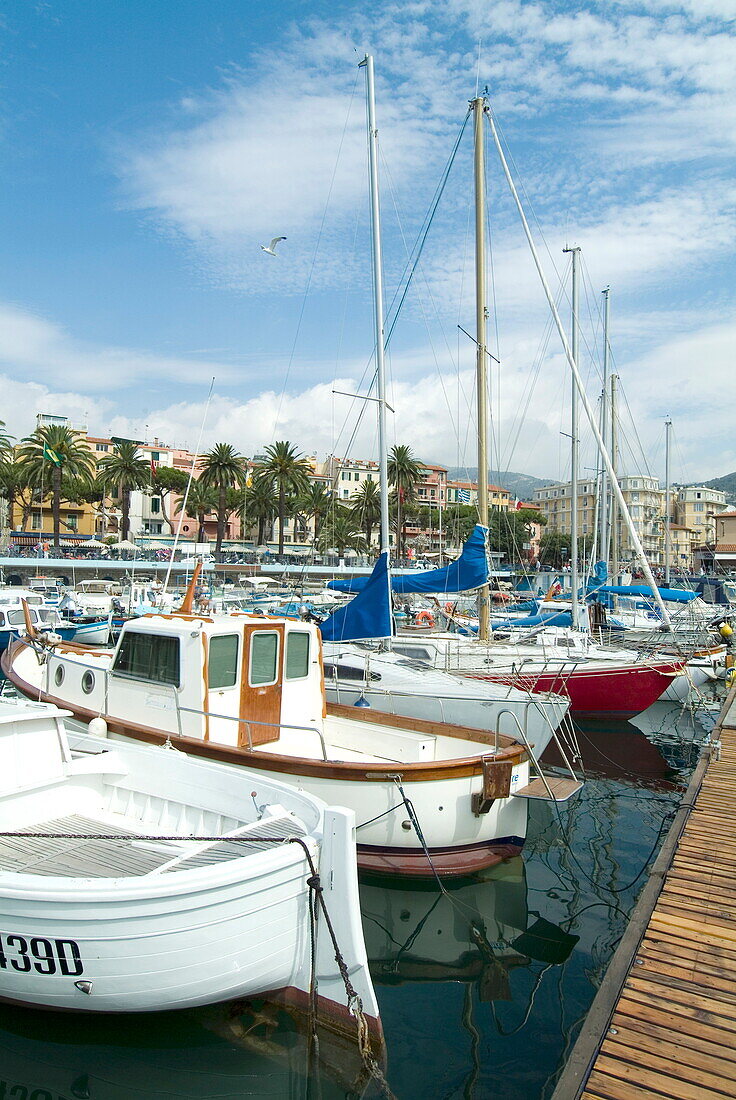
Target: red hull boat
(623, 690)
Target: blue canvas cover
(676, 595)
(469, 571)
(366, 616)
(555, 618)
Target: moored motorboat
(136, 879)
(249, 691)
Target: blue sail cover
(676, 595)
(469, 571)
(368, 615)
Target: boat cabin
(234, 680)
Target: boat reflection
(615, 749)
(227, 1052)
(472, 931)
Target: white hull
(120, 893)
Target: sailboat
(429, 797)
(593, 685)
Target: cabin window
(88, 682)
(264, 653)
(348, 672)
(59, 675)
(223, 661)
(151, 657)
(297, 655)
(2, 618)
(16, 618)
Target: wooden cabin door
(260, 692)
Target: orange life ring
(448, 608)
(426, 618)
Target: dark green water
(481, 990)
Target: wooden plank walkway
(663, 1023)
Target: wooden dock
(663, 1023)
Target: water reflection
(473, 931)
(227, 1052)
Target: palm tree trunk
(282, 516)
(220, 523)
(55, 504)
(125, 506)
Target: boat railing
(248, 724)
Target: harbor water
(482, 986)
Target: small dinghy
(138, 879)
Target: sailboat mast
(604, 539)
(367, 64)
(615, 548)
(480, 106)
(667, 503)
(615, 487)
(574, 443)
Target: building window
(155, 505)
(101, 447)
(699, 507)
(35, 521)
(71, 521)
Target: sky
(148, 148)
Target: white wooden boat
(123, 888)
(249, 691)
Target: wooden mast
(480, 107)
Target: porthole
(88, 682)
(59, 675)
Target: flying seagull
(271, 248)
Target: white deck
(71, 848)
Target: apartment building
(466, 492)
(645, 502)
(696, 506)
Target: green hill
(726, 484)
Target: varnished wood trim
(423, 725)
(205, 684)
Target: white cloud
(31, 346)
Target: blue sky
(148, 149)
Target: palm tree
(260, 505)
(404, 473)
(222, 468)
(289, 472)
(201, 502)
(50, 453)
(17, 488)
(366, 506)
(342, 532)
(314, 503)
(6, 442)
(121, 471)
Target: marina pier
(663, 1021)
